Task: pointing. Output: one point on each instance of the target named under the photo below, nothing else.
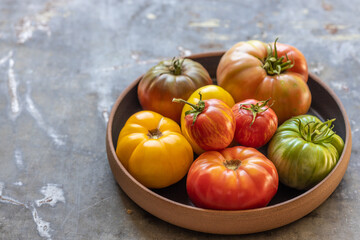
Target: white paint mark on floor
(105, 115)
(24, 30)
(18, 158)
(211, 23)
(42, 226)
(15, 107)
(1, 187)
(183, 52)
(19, 183)
(53, 194)
(6, 58)
(217, 36)
(340, 86)
(35, 113)
(38, 22)
(151, 16)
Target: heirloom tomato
(210, 123)
(256, 122)
(235, 178)
(304, 151)
(176, 78)
(207, 92)
(153, 150)
(254, 69)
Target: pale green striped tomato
(304, 151)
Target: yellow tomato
(207, 92)
(153, 150)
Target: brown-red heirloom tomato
(256, 122)
(254, 69)
(177, 78)
(232, 179)
(210, 123)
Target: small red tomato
(210, 123)
(256, 122)
(233, 179)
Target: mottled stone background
(63, 63)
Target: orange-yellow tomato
(207, 92)
(153, 150)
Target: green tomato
(304, 151)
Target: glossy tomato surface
(214, 127)
(207, 92)
(242, 73)
(235, 178)
(153, 150)
(171, 79)
(256, 123)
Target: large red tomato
(210, 123)
(257, 70)
(256, 122)
(177, 78)
(233, 179)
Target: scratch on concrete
(95, 204)
(35, 113)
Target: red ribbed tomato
(256, 70)
(233, 179)
(210, 123)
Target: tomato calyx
(256, 108)
(154, 133)
(176, 66)
(232, 164)
(317, 132)
(273, 64)
(196, 108)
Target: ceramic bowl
(172, 204)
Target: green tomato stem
(233, 164)
(154, 133)
(176, 66)
(256, 108)
(273, 64)
(317, 132)
(196, 108)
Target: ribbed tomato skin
(159, 86)
(214, 128)
(241, 73)
(210, 184)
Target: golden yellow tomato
(207, 92)
(153, 150)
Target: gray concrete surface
(63, 63)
